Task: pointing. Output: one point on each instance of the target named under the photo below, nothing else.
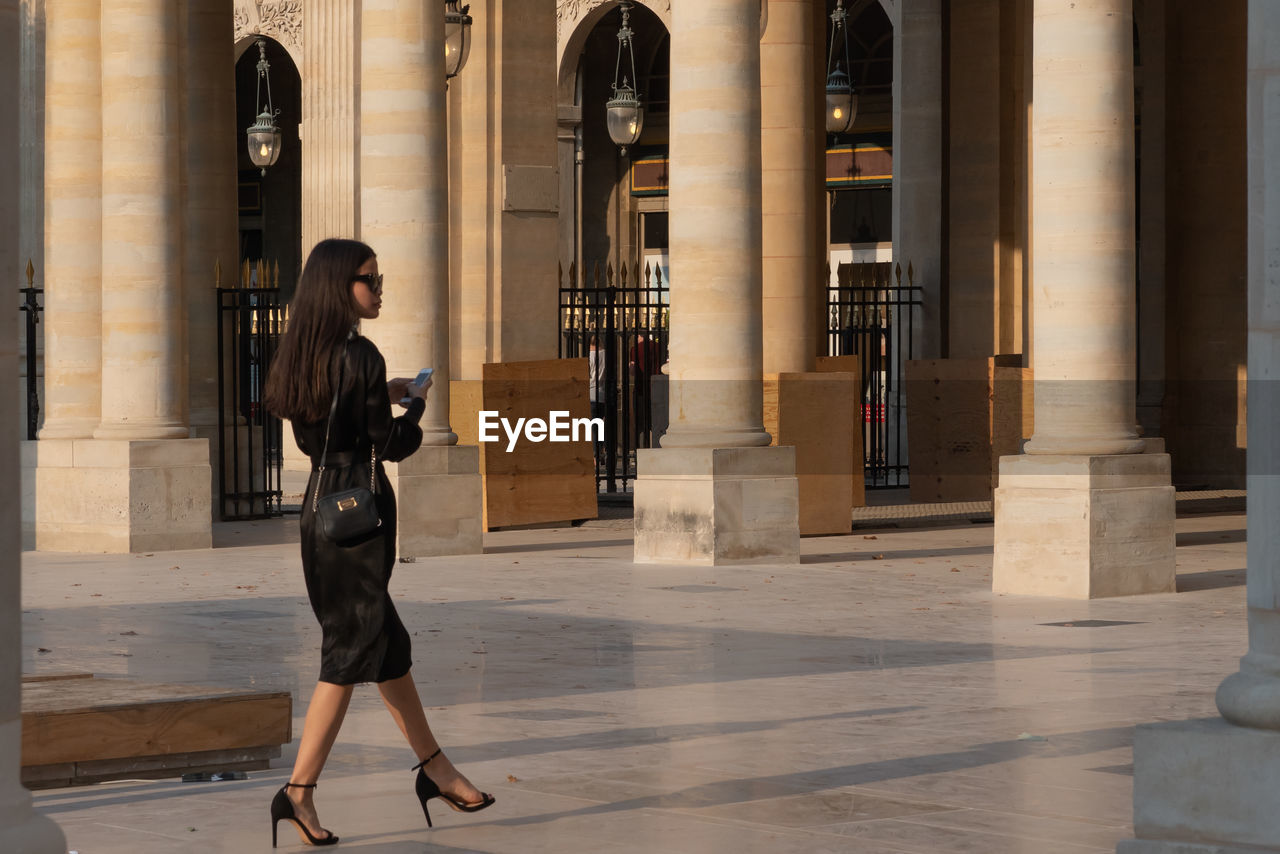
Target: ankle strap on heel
(299, 785)
(423, 763)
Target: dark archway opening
(270, 205)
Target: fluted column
(1084, 240)
(1205, 786)
(209, 182)
(790, 187)
(1084, 512)
(716, 346)
(714, 493)
(404, 191)
(21, 829)
(1251, 697)
(143, 339)
(73, 220)
(329, 81)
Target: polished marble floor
(875, 699)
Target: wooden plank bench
(77, 728)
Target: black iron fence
(872, 314)
(625, 314)
(31, 306)
(251, 440)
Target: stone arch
(575, 19)
(280, 20)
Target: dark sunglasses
(374, 282)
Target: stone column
(974, 202)
(789, 190)
(71, 402)
(917, 157)
(21, 829)
(209, 182)
(714, 494)
(31, 221)
(73, 221)
(1251, 697)
(1207, 786)
(404, 216)
(143, 341)
(506, 194)
(716, 334)
(404, 192)
(1084, 513)
(1085, 249)
(141, 484)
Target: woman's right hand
(420, 391)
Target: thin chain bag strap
(333, 408)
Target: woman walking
(331, 383)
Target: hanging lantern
(457, 38)
(842, 99)
(263, 135)
(623, 112)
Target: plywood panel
(962, 416)
(537, 481)
(852, 365)
(949, 429)
(815, 413)
(1012, 419)
(80, 720)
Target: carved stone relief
(277, 19)
(570, 12)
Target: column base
(22, 829)
(440, 500)
(1084, 527)
(99, 495)
(1204, 787)
(34, 834)
(717, 506)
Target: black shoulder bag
(352, 513)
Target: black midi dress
(363, 638)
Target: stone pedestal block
(715, 506)
(1084, 527)
(118, 496)
(1204, 787)
(438, 494)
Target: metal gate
(32, 308)
(628, 317)
(250, 446)
(872, 315)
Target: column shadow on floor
(868, 773)
(1212, 579)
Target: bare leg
(401, 697)
(319, 731)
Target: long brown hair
(320, 317)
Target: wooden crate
(77, 728)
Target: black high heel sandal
(427, 789)
(282, 810)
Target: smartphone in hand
(419, 381)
